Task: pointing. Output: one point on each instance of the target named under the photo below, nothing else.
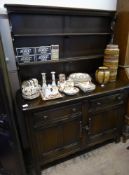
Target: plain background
(89, 4)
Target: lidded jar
(102, 75)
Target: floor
(110, 159)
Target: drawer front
(53, 116)
(106, 101)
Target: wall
(90, 4)
(123, 6)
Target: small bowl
(71, 90)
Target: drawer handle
(98, 103)
(45, 116)
(119, 98)
(87, 128)
(74, 109)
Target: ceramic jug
(102, 75)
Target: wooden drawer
(104, 102)
(53, 116)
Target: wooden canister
(111, 59)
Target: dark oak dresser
(61, 127)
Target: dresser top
(38, 103)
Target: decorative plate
(71, 90)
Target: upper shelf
(82, 35)
(74, 59)
(67, 65)
(61, 34)
(59, 22)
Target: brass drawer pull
(87, 128)
(98, 103)
(45, 116)
(119, 98)
(74, 109)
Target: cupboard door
(58, 140)
(104, 124)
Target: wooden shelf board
(61, 34)
(63, 60)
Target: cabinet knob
(98, 103)
(45, 116)
(119, 98)
(74, 109)
(86, 128)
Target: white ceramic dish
(31, 97)
(71, 90)
(86, 86)
(51, 97)
(30, 89)
(80, 77)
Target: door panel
(54, 140)
(49, 139)
(71, 132)
(106, 120)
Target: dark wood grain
(80, 34)
(74, 123)
(61, 127)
